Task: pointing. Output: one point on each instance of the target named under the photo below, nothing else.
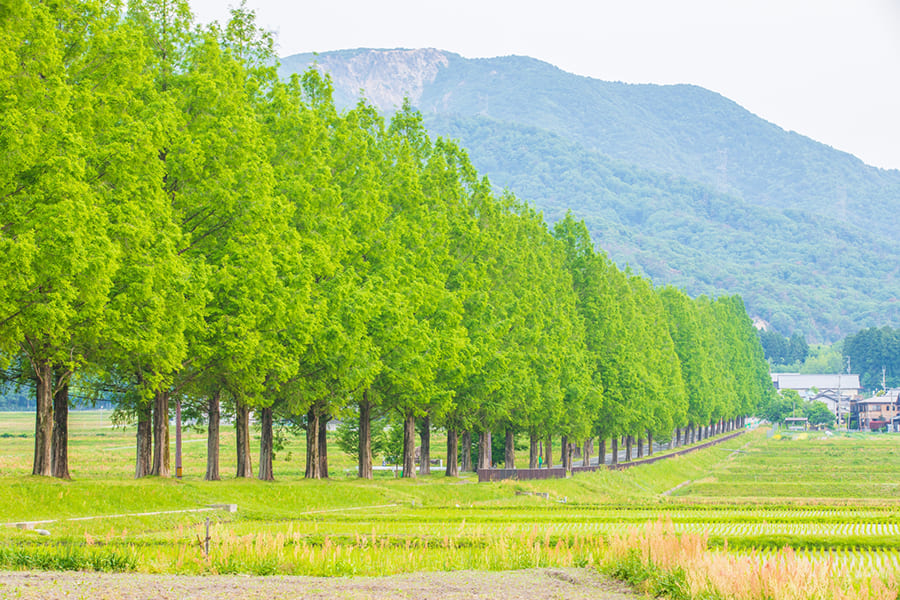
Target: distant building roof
(890, 397)
(798, 381)
(878, 400)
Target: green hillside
(676, 181)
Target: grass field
(834, 501)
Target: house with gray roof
(836, 391)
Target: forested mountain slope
(677, 181)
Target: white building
(835, 391)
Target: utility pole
(837, 405)
(848, 403)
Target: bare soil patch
(530, 584)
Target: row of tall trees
(179, 226)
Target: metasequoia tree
(57, 256)
(178, 223)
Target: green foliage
(177, 221)
(648, 577)
(383, 442)
(874, 353)
(824, 359)
(818, 413)
(680, 183)
(782, 405)
(69, 557)
(780, 351)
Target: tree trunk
(479, 446)
(615, 450)
(452, 469)
(242, 435)
(586, 453)
(43, 424)
(509, 455)
(212, 437)
(364, 456)
(425, 447)
(266, 445)
(323, 445)
(313, 465)
(144, 441)
(629, 442)
(601, 458)
(160, 465)
(640, 447)
(548, 452)
(485, 458)
(466, 451)
(60, 445)
(533, 450)
(409, 446)
(564, 452)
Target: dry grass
(780, 576)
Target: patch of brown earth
(530, 584)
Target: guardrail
(653, 459)
(501, 474)
(560, 473)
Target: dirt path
(531, 584)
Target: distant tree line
(780, 350)
(874, 353)
(178, 225)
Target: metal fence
(653, 459)
(560, 473)
(520, 474)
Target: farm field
(833, 500)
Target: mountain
(675, 181)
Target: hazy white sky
(829, 69)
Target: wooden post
(178, 437)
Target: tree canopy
(179, 224)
